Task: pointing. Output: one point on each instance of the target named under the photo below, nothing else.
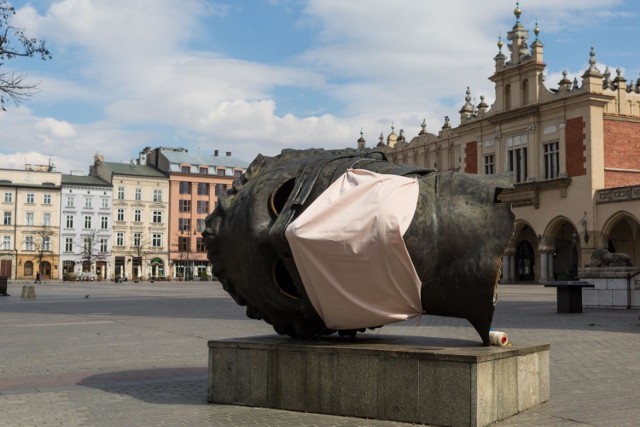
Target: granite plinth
(402, 378)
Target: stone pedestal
(410, 379)
(614, 287)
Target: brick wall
(621, 151)
(574, 136)
(471, 157)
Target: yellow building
(30, 225)
(572, 148)
(140, 240)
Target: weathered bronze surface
(456, 239)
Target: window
(185, 187)
(157, 217)
(6, 243)
(137, 215)
(220, 189)
(86, 247)
(46, 219)
(183, 244)
(237, 173)
(200, 245)
(201, 225)
(104, 222)
(28, 243)
(204, 171)
(185, 169)
(69, 221)
(120, 238)
(203, 206)
(120, 214)
(137, 239)
(8, 197)
(105, 203)
(68, 244)
(87, 202)
(156, 241)
(489, 164)
(222, 171)
(69, 201)
(525, 92)
(551, 160)
(29, 218)
(121, 193)
(46, 199)
(46, 243)
(138, 194)
(517, 157)
(184, 224)
(87, 221)
(507, 97)
(157, 195)
(184, 205)
(103, 244)
(31, 198)
(203, 188)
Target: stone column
(544, 268)
(506, 268)
(551, 264)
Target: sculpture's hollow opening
(282, 280)
(280, 196)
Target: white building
(85, 227)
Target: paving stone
(137, 355)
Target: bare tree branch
(15, 43)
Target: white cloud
(378, 61)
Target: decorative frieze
(618, 194)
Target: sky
(258, 76)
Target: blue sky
(257, 76)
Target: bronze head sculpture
(455, 238)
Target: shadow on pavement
(171, 386)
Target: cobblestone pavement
(101, 354)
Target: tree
(90, 250)
(185, 255)
(139, 251)
(15, 43)
(42, 245)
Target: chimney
(228, 153)
(215, 153)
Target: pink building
(195, 181)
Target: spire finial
(517, 12)
(423, 126)
(592, 57)
(536, 30)
(361, 132)
(500, 44)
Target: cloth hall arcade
(573, 151)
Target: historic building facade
(140, 218)
(195, 181)
(86, 228)
(573, 151)
(29, 228)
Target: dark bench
(569, 295)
